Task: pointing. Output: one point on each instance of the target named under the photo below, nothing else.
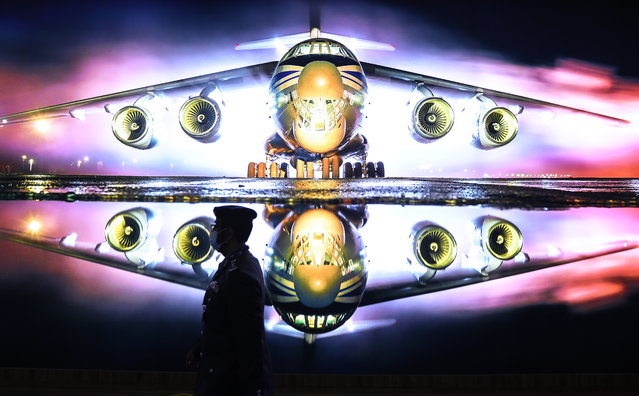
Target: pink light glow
(591, 293)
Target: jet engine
(128, 230)
(134, 125)
(498, 237)
(191, 242)
(134, 233)
(431, 117)
(496, 126)
(433, 247)
(494, 241)
(200, 116)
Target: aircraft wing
(173, 272)
(378, 294)
(373, 70)
(196, 277)
(190, 86)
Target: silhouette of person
(231, 354)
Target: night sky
(535, 33)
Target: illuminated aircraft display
(320, 263)
(318, 92)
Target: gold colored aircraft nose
(317, 286)
(320, 79)
(318, 221)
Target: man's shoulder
(244, 265)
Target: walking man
(231, 354)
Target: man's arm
(246, 312)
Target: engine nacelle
(431, 117)
(498, 237)
(200, 119)
(433, 248)
(128, 230)
(496, 126)
(134, 233)
(191, 242)
(133, 126)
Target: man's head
(237, 219)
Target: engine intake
(433, 246)
(200, 119)
(432, 118)
(499, 238)
(128, 230)
(498, 127)
(133, 126)
(191, 242)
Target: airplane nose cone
(317, 286)
(318, 221)
(320, 79)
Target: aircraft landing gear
(274, 171)
(375, 169)
(304, 169)
(330, 168)
(356, 170)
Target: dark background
(529, 32)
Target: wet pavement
(500, 193)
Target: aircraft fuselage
(318, 90)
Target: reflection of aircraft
(315, 265)
(318, 90)
(316, 268)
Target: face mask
(215, 240)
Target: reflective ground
(504, 276)
(502, 193)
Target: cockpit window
(319, 47)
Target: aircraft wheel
(299, 168)
(381, 172)
(326, 164)
(335, 163)
(274, 171)
(251, 169)
(261, 170)
(357, 170)
(310, 172)
(348, 170)
(370, 169)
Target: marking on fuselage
(352, 280)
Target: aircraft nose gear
(330, 167)
(304, 169)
